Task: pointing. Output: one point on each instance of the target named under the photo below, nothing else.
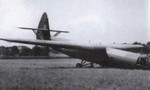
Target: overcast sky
(101, 21)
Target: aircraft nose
(144, 61)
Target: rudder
(43, 24)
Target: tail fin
(44, 34)
(43, 24)
(43, 30)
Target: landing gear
(84, 64)
(79, 65)
(91, 65)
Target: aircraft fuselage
(102, 58)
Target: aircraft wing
(116, 53)
(70, 45)
(55, 44)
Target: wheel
(78, 65)
(91, 65)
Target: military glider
(110, 55)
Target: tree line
(24, 51)
(44, 51)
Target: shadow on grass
(25, 68)
(65, 68)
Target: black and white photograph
(74, 44)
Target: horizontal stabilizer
(42, 29)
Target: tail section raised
(43, 24)
(43, 30)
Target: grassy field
(59, 74)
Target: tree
(15, 50)
(3, 51)
(148, 44)
(44, 51)
(148, 47)
(25, 51)
(8, 51)
(137, 43)
(36, 51)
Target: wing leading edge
(69, 45)
(55, 44)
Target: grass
(41, 75)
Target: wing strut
(57, 33)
